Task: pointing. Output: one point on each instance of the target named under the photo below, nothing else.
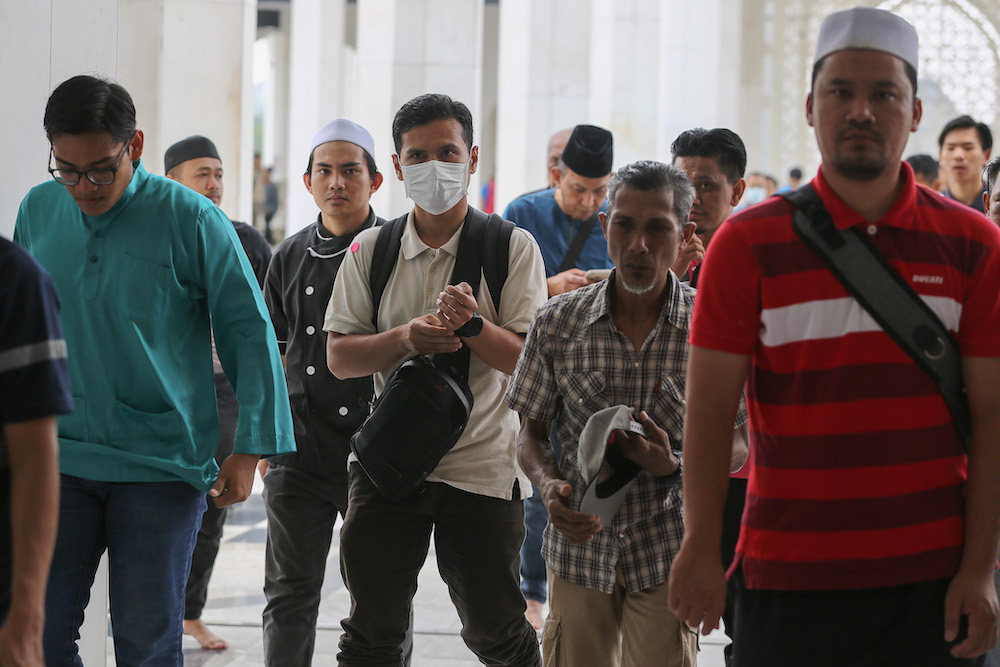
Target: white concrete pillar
(407, 48)
(43, 43)
(698, 68)
(320, 87)
(645, 69)
(187, 65)
(545, 83)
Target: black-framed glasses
(99, 176)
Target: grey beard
(637, 291)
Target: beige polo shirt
(483, 460)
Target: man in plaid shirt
(620, 341)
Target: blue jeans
(148, 529)
(533, 582)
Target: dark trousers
(301, 512)
(206, 546)
(477, 541)
(898, 625)
(732, 516)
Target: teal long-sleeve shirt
(142, 288)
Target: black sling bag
(887, 297)
(425, 404)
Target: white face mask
(436, 186)
(755, 195)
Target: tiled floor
(236, 601)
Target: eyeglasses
(100, 176)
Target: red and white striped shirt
(858, 473)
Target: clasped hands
(435, 334)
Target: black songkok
(589, 151)
(188, 149)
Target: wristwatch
(472, 328)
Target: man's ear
(136, 144)
(307, 179)
(556, 176)
(688, 231)
(603, 217)
(376, 183)
(396, 167)
(809, 109)
(473, 160)
(739, 187)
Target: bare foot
(533, 613)
(205, 637)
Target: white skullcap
(867, 28)
(341, 129)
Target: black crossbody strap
(576, 247)
(887, 297)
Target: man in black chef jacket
(304, 491)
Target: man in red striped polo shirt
(869, 538)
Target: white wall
(43, 43)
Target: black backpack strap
(384, 260)
(496, 254)
(887, 297)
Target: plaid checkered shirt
(575, 362)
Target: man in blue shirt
(563, 219)
(147, 270)
(34, 388)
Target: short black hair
(795, 173)
(990, 174)
(426, 109)
(720, 144)
(369, 161)
(86, 104)
(966, 121)
(925, 165)
(646, 175)
(911, 73)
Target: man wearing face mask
(473, 498)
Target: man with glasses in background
(142, 264)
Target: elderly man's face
(578, 196)
(644, 236)
(863, 110)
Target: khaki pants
(588, 628)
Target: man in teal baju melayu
(146, 269)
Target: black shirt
(257, 248)
(326, 411)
